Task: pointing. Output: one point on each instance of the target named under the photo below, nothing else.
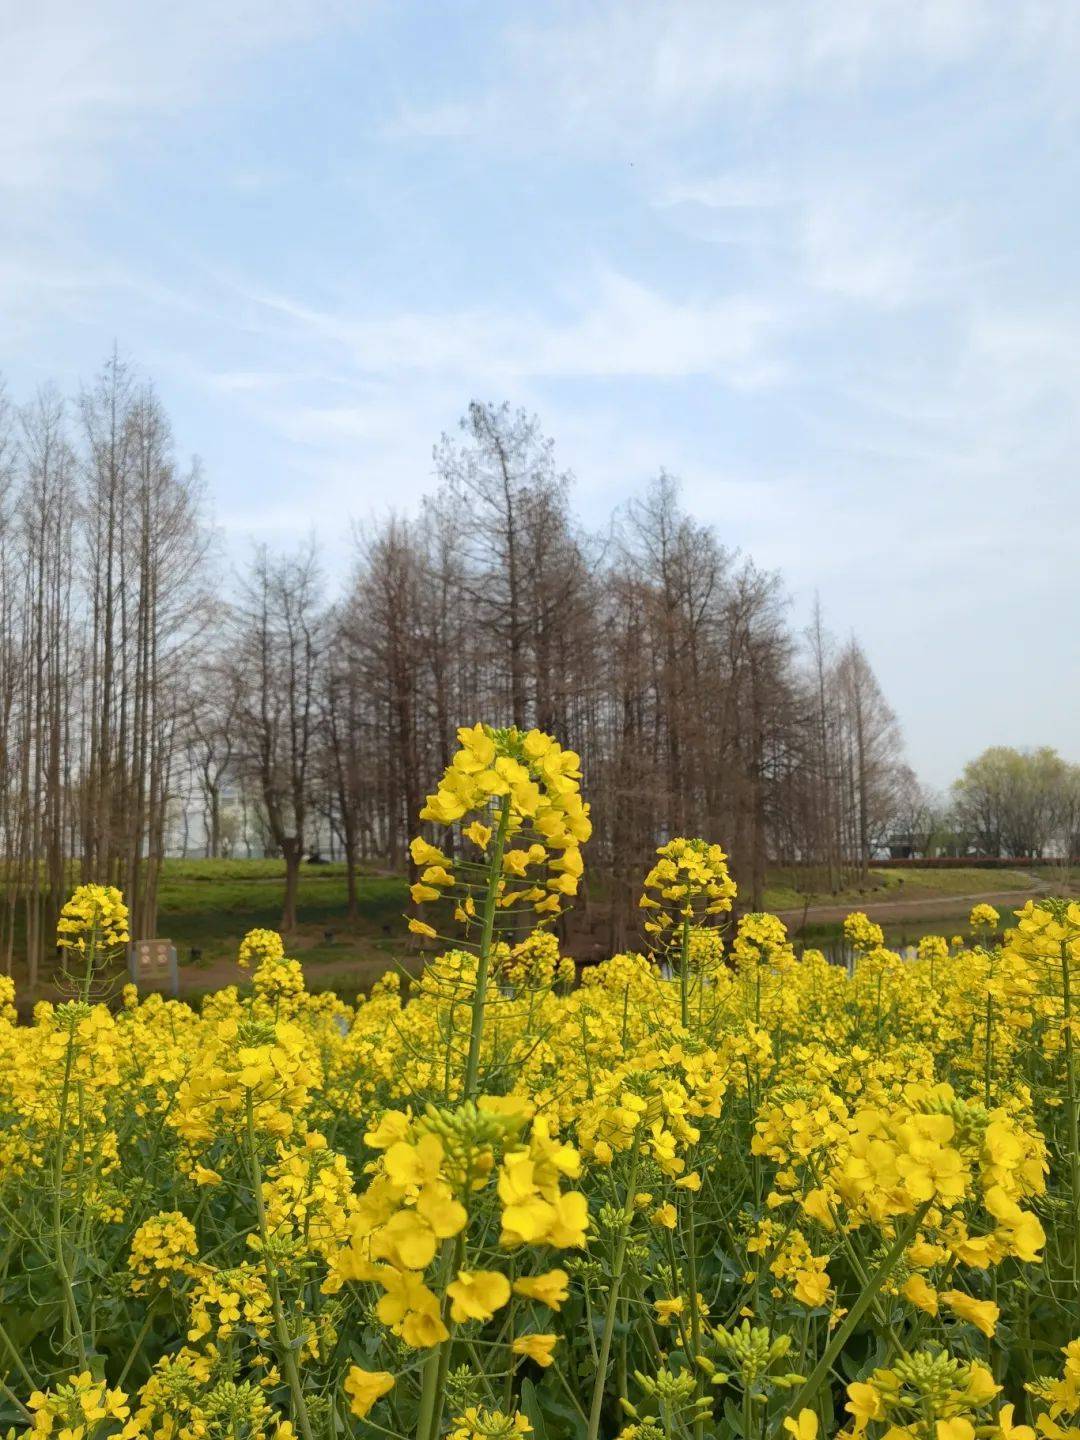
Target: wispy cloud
(817, 258)
(628, 71)
(77, 76)
(733, 190)
(620, 328)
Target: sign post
(152, 966)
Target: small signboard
(152, 965)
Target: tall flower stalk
(512, 797)
(688, 887)
(1048, 934)
(93, 926)
(510, 805)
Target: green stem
(747, 1412)
(613, 1302)
(437, 1364)
(428, 1390)
(476, 1033)
(14, 1400)
(511, 1360)
(74, 1325)
(684, 973)
(569, 1391)
(286, 1353)
(27, 1379)
(88, 973)
(440, 1388)
(144, 1330)
(1074, 1110)
(71, 1308)
(808, 1391)
(856, 1264)
(695, 1316)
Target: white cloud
(633, 330)
(1027, 355)
(77, 75)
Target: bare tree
(277, 637)
(873, 751)
(211, 745)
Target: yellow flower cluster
(191, 1395)
(278, 979)
(95, 918)
(221, 1301)
(933, 948)
(762, 940)
(1061, 1395)
(7, 999)
(245, 1065)
(76, 1408)
(984, 917)
(928, 1394)
(258, 946)
(481, 1424)
(528, 821)
(162, 1251)
(433, 1171)
(872, 1164)
(1048, 931)
(688, 882)
(862, 934)
(534, 963)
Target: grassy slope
(210, 905)
(906, 884)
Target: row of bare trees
(667, 662)
(136, 715)
(101, 546)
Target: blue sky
(817, 259)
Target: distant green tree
(1017, 802)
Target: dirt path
(927, 907)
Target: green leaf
(530, 1404)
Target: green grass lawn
(210, 904)
(974, 881)
(783, 892)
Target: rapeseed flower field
(714, 1188)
